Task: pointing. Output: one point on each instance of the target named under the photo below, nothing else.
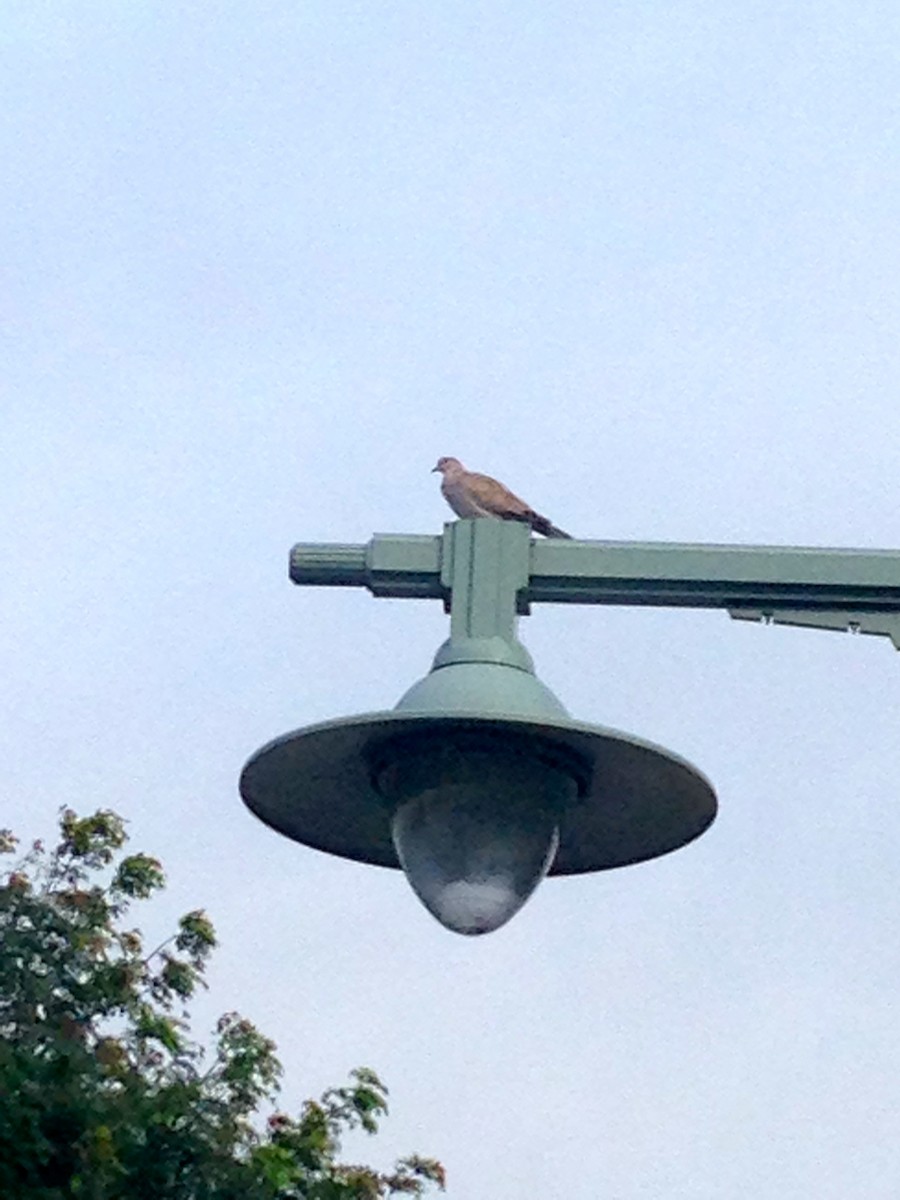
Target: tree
(104, 1096)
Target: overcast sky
(261, 265)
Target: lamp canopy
(319, 785)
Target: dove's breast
(457, 496)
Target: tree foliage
(103, 1094)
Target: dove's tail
(541, 525)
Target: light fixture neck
(484, 572)
(498, 651)
(483, 668)
(485, 566)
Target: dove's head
(445, 465)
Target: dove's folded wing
(496, 499)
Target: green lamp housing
(477, 784)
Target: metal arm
(827, 589)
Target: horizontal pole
(709, 576)
(661, 574)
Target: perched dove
(472, 495)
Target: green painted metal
(484, 567)
(824, 588)
(389, 565)
(878, 623)
(318, 784)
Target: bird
(472, 495)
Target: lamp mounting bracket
(488, 571)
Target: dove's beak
(433, 469)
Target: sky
(261, 265)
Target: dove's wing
(494, 498)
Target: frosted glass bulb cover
(475, 827)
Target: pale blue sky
(261, 265)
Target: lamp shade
(632, 800)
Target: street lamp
(478, 783)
